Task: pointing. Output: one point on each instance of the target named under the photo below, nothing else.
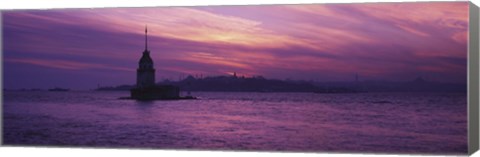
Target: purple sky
(80, 48)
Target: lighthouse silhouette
(145, 71)
(146, 89)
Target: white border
(81, 152)
(48, 4)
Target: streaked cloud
(65, 64)
(395, 41)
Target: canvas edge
(473, 70)
(473, 79)
(1, 78)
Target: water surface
(361, 122)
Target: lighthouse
(145, 71)
(146, 89)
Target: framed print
(397, 78)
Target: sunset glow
(80, 48)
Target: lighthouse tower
(145, 71)
(146, 88)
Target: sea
(410, 123)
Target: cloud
(377, 40)
(413, 31)
(64, 64)
(450, 18)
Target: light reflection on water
(366, 122)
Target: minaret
(145, 71)
(356, 77)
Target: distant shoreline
(262, 85)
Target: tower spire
(146, 48)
